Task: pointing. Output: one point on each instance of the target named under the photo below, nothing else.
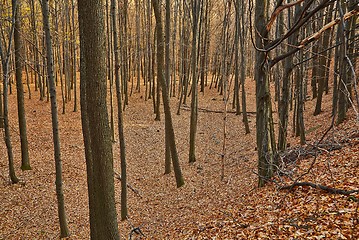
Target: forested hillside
(192, 119)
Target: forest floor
(206, 207)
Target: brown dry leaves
(206, 207)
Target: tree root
(321, 187)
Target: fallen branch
(211, 111)
(118, 176)
(241, 225)
(321, 187)
(135, 230)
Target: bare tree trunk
(243, 35)
(266, 148)
(138, 46)
(74, 67)
(55, 126)
(103, 215)
(322, 65)
(166, 102)
(1, 108)
(120, 117)
(5, 57)
(286, 86)
(194, 102)
(19, 52)
(168, 80)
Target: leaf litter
(205, 207)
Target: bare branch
(278, 10)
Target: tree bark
(97, 134)
(5, 57)
(19, 52)
(64, 231)
(120, 117)
(194, 100)
(266, 148)
(166, 102)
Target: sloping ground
(205, 207)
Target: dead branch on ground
(318, 186)
(118, 176)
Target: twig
(318, 186)
(118, 176)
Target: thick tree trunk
(103, 216)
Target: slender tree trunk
(243, 35)
(322, 65)
(1, 108)
(343, 93)
(110, 50)
(55, 125)
(5, 57)
(315, 65)
(168, 80)
(138, 46)
(19, 53)
(286, 86)
(236, 59)
(166, 102)
(74, 67)
(194, 102)
(35, 47)
(120, 117)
